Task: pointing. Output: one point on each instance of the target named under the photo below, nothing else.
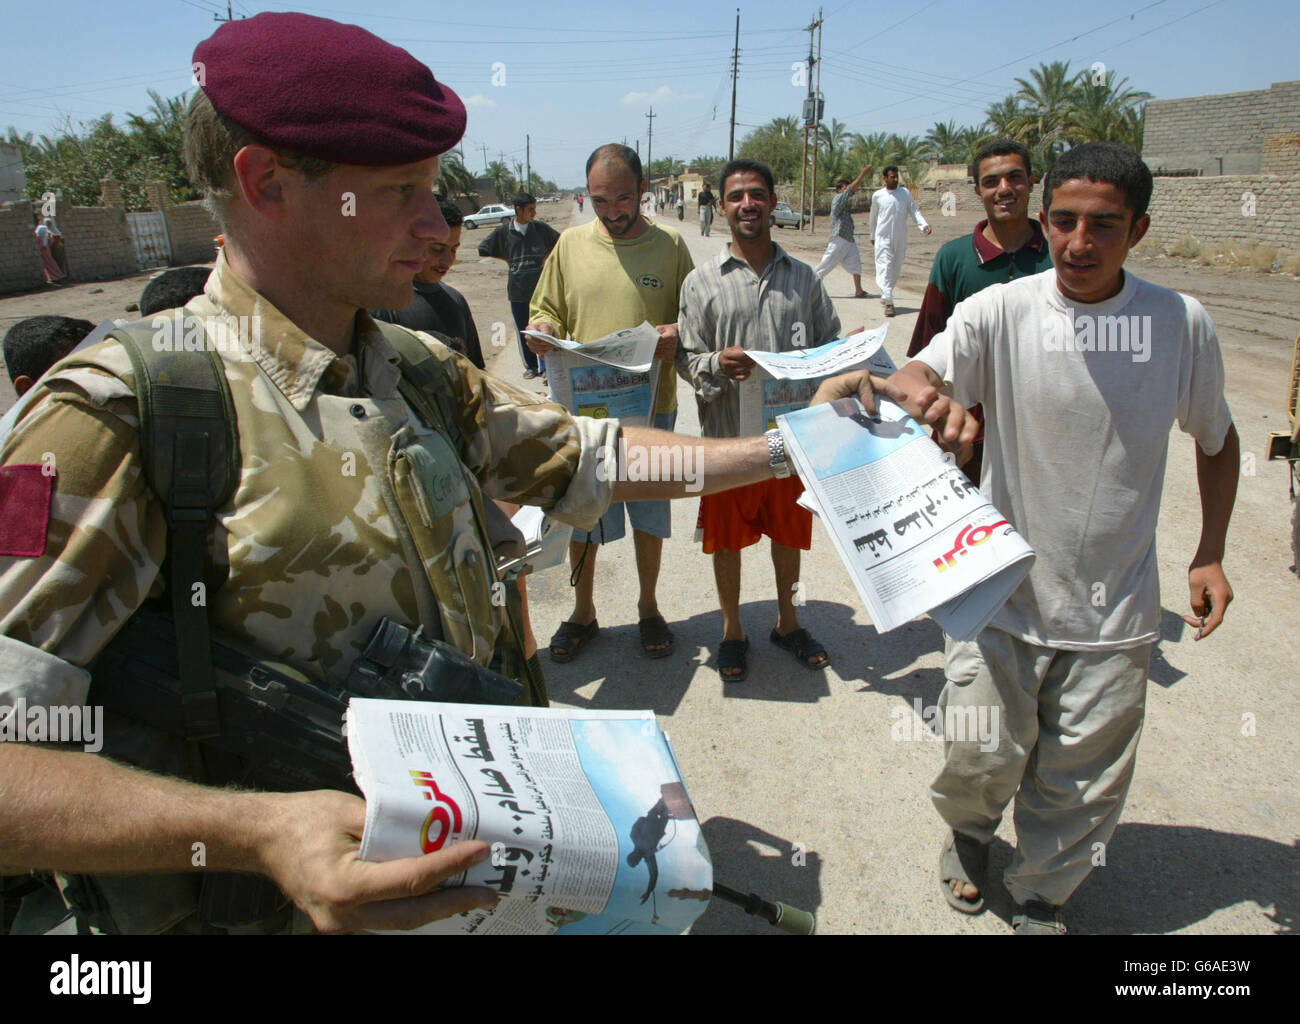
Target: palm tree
(1049, 104)
(946, 143)
(1107, 111)
(455, 180)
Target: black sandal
(571, 638)
(733, 654)
(801, 644)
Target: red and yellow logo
(967, 539)
(444, 821)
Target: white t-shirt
(1078, 403)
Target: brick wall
(97, 243)
(1220, 134)
(191, 228)
(1282, 155)
(1211, 209)
(20, 257)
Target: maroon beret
(327, 90)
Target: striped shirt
(725, 303)
(842, 215)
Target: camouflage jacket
(347, 509)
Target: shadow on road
(1160, 878)
(626, 678)
(751, 860)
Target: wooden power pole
(735, 70)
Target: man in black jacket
(437, 307)
(523, 244)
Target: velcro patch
(25, 493)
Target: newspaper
(785, 382)
(591, 828)
(616, 376)
(914, 533)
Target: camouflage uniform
(348, 508)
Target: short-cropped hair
(33, 345)
(1111, 162)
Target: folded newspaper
(786, 381)
(591, 828)
(616, 376)
(546, 541)
(915, 534)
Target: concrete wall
(190, 228)
(13, 179)
(96, 242)
(20, 255)
(1214, 210)
(1220, 134)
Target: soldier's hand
(668, 339)
(313, 856)
(536, 344)
(735, 363)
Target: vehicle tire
(470, 224)
(506, 220)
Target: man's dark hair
(524, 199)
(33, 345)
(742, 164)
(1000, 147)
(451, 213)
(891, 167)
(173, 288)
(842, 182)
(620, 155)
(1111, 162)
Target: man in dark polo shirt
(523, 244)
(437, 307)
(1006, 245)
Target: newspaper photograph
(914, 533)
(616, 377)
(590, 825)
(785, 382)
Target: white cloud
(479, 102)
(664, 94)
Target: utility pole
(803, 167)
(230, 16)
(485, 160)
(528, 163)
(735, 70)
(649, 146)
(817, 120)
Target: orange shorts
(737, 518)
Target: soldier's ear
(21, 383)
(259, 179)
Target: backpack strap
(190, 446)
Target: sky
(569, 75)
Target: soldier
(350, 505)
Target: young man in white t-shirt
(1081, 370)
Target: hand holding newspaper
(786, 381)
(615, 376)
(914, 533)
(591, 828)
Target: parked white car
(495, 214)
(784, 217)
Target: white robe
(888, 230)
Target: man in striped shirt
(752, 296)
(843, 246)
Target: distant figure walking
(47, 235)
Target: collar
(297, 364)
(986, 250)
(726, 256)
(516, 226)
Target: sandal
(654, 630)
(965, 859)
(733, 654)
(1034, 917)
(570, 638)
(801, 644)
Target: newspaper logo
(968, 537)
(444, 821)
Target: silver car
(784, 217)
(495, 214)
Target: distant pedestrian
(843, 247)
(523, 246)
(890, 207)
(708, 201)
(681, 208)
(46, 236)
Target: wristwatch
(776, 457)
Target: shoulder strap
(190, 446)
(424, 383)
